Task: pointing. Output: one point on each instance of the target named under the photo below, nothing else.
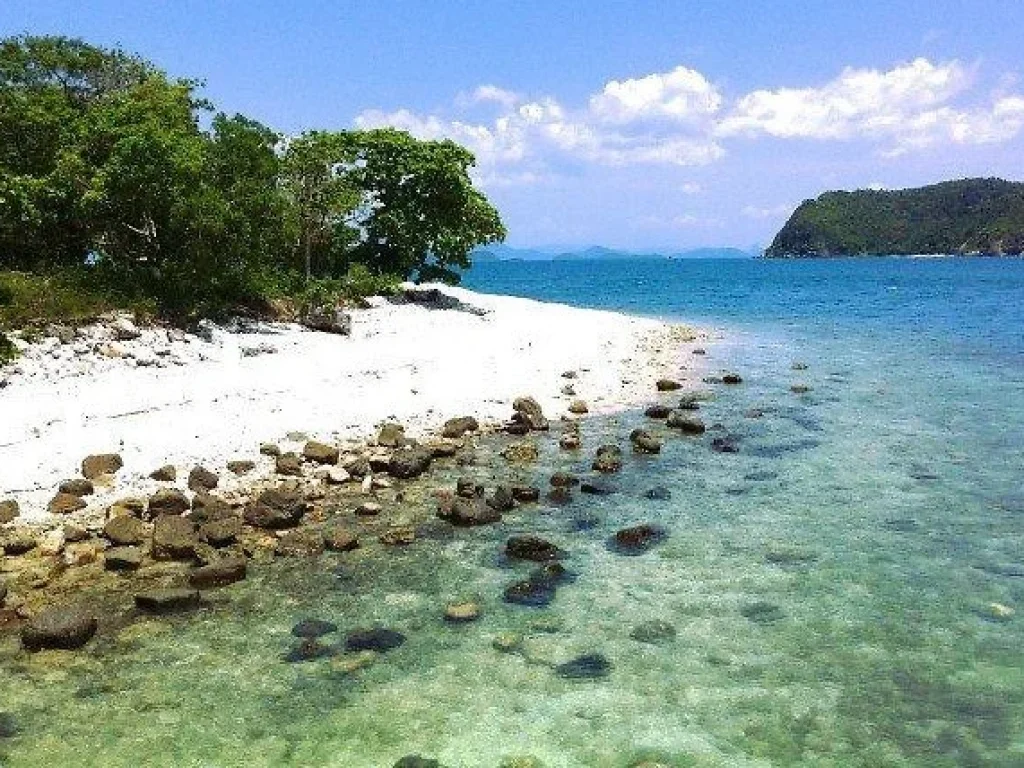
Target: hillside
(968, 216)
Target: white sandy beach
(209, 403)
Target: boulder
(122, 559)
(410, 462)
(9, 510)
(690, 402)
(207, 507)
(444, 448)
(570, 441)
(73, 534)
(528, 411)
(468, 488)
(202, 479)
(532, 548)
(320, 453)
(18, 541)
(174, 538)
(168, 501)
(165, 474)
(398, 535)
(219, 573)
(3, 592)
(667, 385)
(657, 411)
(123, 329)
(457, 427)
(391, 436)
(685, 423)
(608, 459)
(732, 378)
(62, 627)
(276, 509)
(579, 407)
(467, 512)
(637, 539)
(288, 464)
(241, 466)
(78, 486)
(336, 475)
(125, 530)
(167, 600)
(644, 442)
(101, 464)
(221, 532)
(357, 466)
(328, 319)
(501, 500)
(269, 449)
(521, 452)
(339, 539)
(525, 494)
(563, 480)
(65, 503)
(300, 542)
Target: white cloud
(683, 95)
(680, 118)
(768, 212)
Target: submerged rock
(410, 463)
(732, 378)
(169, 600)
(8, 725)
(762, 612)
(520, 453)
(654, 632)
(540, 588)
(644, 442)
(313, 628)
(525, 494)
(657, 411)
(309, 649)
(174, 538)
(658, 493)
(685, 423)
(219, 573)
(61, 627)
(467, 512)
(416, 761)
(378, 639)
(532, 548)
(591, 666)
(596, 489)
(726, 444)
(501, 500)
(608, 459)
(462, 612)
(637, 539)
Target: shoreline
(170, 398)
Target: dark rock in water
(457, 427)
(528, 411)
(559, 496)
(339, 539)
(667, 385)
(517, 428)
(1013, 570)
(410, 462)
(62, 627)
(596, 489)
(689, 402)
(309, 650)
(553, 573)
(373, 639)
(532, 548)
(654, 632)
(781, 449)
(276, 509)
(732, 378)
(468, 488)
(8, 725)
(531, 593)
(762, 612)
(637, 539)
(789, 556)
(501, 500)
(685, 423)
(563, 480)
(902, 524)
(644, 442)
(219, 573)
(122, 558)
(657, 411)
(761, 476)
(174, 538)
(588, 667)
(169, 600)
(584, 522)
(726, 444)
(415, 761)
(658, 493)
(313, 628)
(467, 512)
(799, 366)
(608, 459)
(525, 494)
(920, 472)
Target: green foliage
(106, 172)
(70, 296)
(984, 216)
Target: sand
(181, 399)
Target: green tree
(420, 215)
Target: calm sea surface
(846, 589)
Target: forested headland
(120, 185)
(967, 216)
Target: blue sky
(640, 125)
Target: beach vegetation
(124, 184)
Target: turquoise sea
(846, 589)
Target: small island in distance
(983, 217)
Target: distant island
(963, 217)
(501, 252)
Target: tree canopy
(110, 165)
(983, 216)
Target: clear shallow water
(830, 584)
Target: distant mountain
(598, 253)
(968, 216)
